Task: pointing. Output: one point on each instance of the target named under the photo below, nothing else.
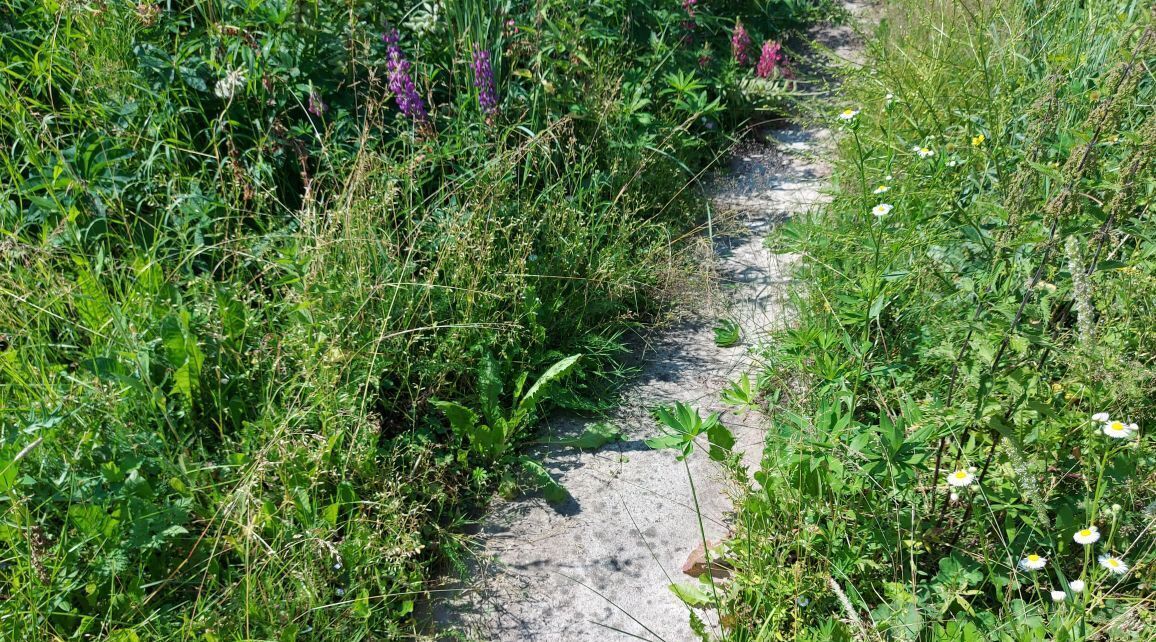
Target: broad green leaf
(538, 390)
(595, 436)
(691, 594)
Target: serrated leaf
(534, 395)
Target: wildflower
(954, 497)
(228, 85)
(1100, 417)
(848, 114)
(882, 189)
(1118, 429)
(400, 83)
(741, 44)
(1076, 586)
(484, 82)
(976, 141)
(1058, 596)
(923, 151)
(889, 97)
(960, 479)
(1113, 564)
(315, 105)
(772, 60)
(1033, 562)
(803, 601)
(689, 6)
(881, 210)
(1089, 535)
(340, 592)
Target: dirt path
(599, 567)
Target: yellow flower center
(1116, 426)
(960, 475)
(1113, 563)
(1085, 533)
(1033, 558)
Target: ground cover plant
(252, 254)
(962, 444)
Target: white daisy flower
(881, 210)
(1089, 535)
(960, 479)
(882, 189)
(848, 114)
(1101, 417)
(923, 151)
(1118, 429)
(1033, 562)
(1058, 596)
(1076, 586)
(1113, 564)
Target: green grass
(230, 310)
(980, 325)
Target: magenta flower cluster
(772, 60)
(484, 82)
(741, 45)
(400, 83)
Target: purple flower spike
(397, 69)
(316, 106)
(772, 60)
(741, 44)
(484, 81)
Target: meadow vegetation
(960, 443)
(277, 279)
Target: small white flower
(803, 601)
(960, 479)
(848, 114)
(229, 84)
(340, 592)
(1058, 596)
(954, 497)
(1101, 417)
(888, 177)
(1077, 586)
(882, 189)
(1033, 562)
(1118, 429)
(1089, 535)
(923, 151)
(1113, 564)
(889, 97)
(881, 210)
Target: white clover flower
(960, 479)
(1058, 596)
(1076, 586)
(1033, 562)
(1100, 417)
(1089, 535)
(1113, 564)
(882, 189)
(228, 85)
(1118, 429)
(848, 114)
(881, 210)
